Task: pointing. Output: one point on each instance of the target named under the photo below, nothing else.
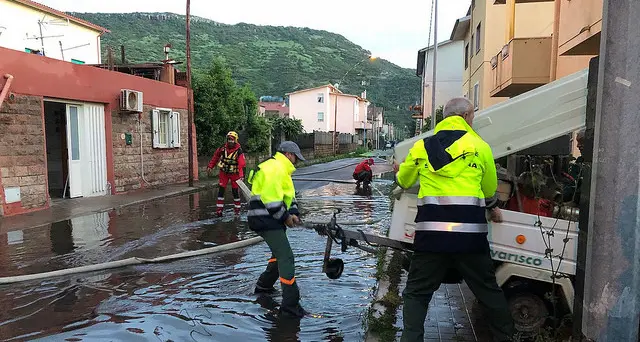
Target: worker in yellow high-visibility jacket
(458, 182)
(272, 209)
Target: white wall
(305, 106)
(346, 113)
(20, 22)
(449, 75)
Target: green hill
(272, 60)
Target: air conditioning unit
(131, 101)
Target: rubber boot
(291, 300)
(236, 201)
(268, 278)
(220, 202)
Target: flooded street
(206, 298)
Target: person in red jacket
(363, 173)
(230, 159)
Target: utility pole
(612, 284)
(435, 63)
(189, 94)
(335, 125)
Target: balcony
(522, 65)
(359, 125)
(580, 27)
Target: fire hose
(130, 262)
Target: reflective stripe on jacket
(272, 194)
(458, 182)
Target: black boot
(268, 278)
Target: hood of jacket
(285, 162)
(450, 150)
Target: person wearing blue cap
(272, 209)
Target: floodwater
(206, 298)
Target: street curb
(381, 290)
(186, 191)
(209, 185)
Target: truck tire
(529, 311)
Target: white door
(74, 143)
(95, 157)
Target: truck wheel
(334, 268)
(528, 310)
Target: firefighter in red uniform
(363, 173)
(230, 159)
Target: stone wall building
(65, 132)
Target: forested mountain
(272, 60)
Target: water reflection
(61, 236)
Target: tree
(426, 127)
(286, 127)
(221, 106)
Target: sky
(393, 30)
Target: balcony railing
(521, 65)
(502, 2)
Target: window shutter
(175, 129)
(155, 123)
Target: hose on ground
(130, 262)
(323, 180)
(329, 170)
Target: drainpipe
(555, 41)
(99, 47)
(5, 89)
(141, 150)
(511, 20)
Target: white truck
(526, 247)
(532, 253)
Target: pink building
(271, 109)
(318, 110)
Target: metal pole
(364, 124)
(189, 94)
(555, 40)
(335, 123)
(612, 286)
(435, 63)
(41, 37)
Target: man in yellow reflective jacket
(272, 209)
(458, 182)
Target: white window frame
(356, 110)
(320, 116)
(320, 98)
(476, 96)
(478, 38)
(173, 139)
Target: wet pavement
(207, 298)
(454, 315)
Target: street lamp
(335, 112)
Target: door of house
(95, 177)
(86, 144)
(74, 145)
